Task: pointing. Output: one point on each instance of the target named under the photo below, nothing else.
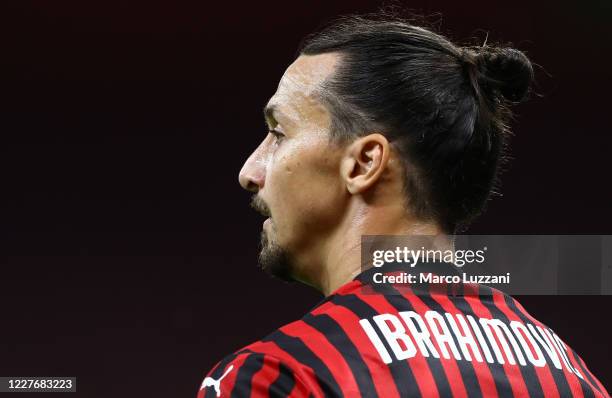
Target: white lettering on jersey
(501, 330)
(396, 335)
(420, 335)
(464, 339)
(515, 343)
(382, 351)
(442, 334)
(562, 349)
(480, 337)
(520, 330)
(546, 344)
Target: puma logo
(209, 381)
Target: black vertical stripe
(534, 388)
(502, 384)
(283, 384)
(437, 371)
(587, 390)
(466, 368)
(242, 386)
(400, 370)
(301, 353)
(336, 337)
(589, 375)
(557, 374)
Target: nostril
(251, 186)
(249, 182)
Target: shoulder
(313, 356)
(301, 357)
(247, 373)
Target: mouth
(260, 206)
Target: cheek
(305, 182)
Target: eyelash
(277, 134)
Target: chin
(274, 259)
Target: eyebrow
(272, 113)
(269, 111)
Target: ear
(364, 162)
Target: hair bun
(506, 70)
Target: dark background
(127, 247)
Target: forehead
(297, 96)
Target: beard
(274, 260)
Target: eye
(277, 134)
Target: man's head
(294, 170)
(375, 115)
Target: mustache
(260, 206)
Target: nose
(253, 173)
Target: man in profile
(380, 127)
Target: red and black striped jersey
(366, 340)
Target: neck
(342, 252)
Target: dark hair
(445, 108)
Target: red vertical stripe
(299, 390)
(449, 365)
(305, 373)
(571, 378)
(418, 364)
(264, 377)
(327, 353)
(515, 378)
(601, 387)
(546, 380)
(524, 311)
(483, 373)
(572, 358)
(381, 375)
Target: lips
(260, 206)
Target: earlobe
(364, 162)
